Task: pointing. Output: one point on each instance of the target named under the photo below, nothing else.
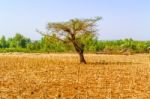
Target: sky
(121, 18)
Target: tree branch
(48, 35)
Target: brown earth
(60, 76)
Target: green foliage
(3, 42)
(19, 43)
(51, 44)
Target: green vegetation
(19, 43)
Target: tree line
(20, 43)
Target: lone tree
(71, 31)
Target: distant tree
(18, 41)
(52, 45)
(3, 42)
(35, 45)
(71, 31)
(128, 45)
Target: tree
(35, 45)
(71, 31)
(19, 41)
(3, 42)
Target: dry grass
(59, 76)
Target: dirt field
(60, 76)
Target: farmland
(60, 76)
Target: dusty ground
(59, 76)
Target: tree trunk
(80, 50)
(82, 59)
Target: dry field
(59, 76)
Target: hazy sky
(121, 18)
